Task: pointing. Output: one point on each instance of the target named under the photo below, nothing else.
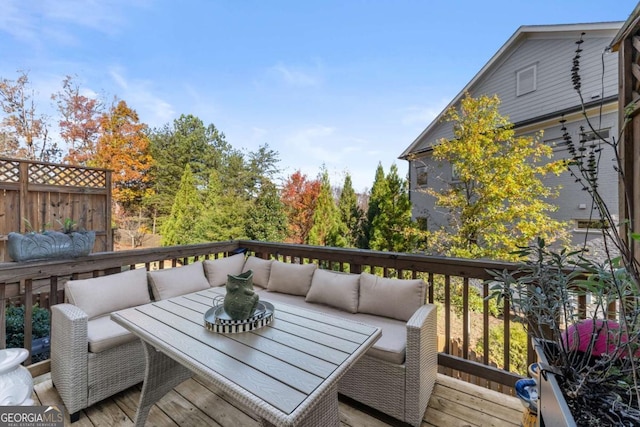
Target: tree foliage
(266, 219)
(351, 216)
(186, 142)
(299, 195)
(181, 226)
(224, 213)
(326, 217)
(24, 133)
(123, 147)
(498, 201)
(389, 226)
(79, 122)
(376, 196)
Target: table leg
(161, 375)
(324, 414)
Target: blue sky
(344, 83)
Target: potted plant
(588, 369)
(49, 244)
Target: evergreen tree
(187, 142)
(389, 227)
(180, 227)
(224, 214)
(350, 214)
(267, 220)
(376, 195)
(324, 230)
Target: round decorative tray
(217, 320)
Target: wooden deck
(196, 402)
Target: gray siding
(553, 57)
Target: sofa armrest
(69, 355)
(421, 361)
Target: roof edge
(516, 36)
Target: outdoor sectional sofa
(396, 376)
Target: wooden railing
(449, 279)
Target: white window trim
(533, 67)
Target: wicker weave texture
(402, 391)
(83, 378)
(69, 363)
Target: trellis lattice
(9, 171)
(66, 176)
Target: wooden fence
(37, 196)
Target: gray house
(531, 73)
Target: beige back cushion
(261, 269)
(102, 295)
(339, 290)
(172, 282)
(294, 279)
(218, 269)
(394, 298)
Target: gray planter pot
(50, 245)
(552, 406)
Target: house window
(421, 176)
(593, 136)
(455, 173)
(595, 224)
(422, 223)
(526, 80)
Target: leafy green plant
(517, 349)
(67, 226)
(15, 326)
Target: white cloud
(297, 77)
(39, 22)
(422, 115)
(140, 96)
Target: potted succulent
(49, 244)
(588, 369)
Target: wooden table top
(285, 365)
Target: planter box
(553, 410)
(50, 245)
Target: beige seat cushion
(339, 290)
(261, 269)
(217, 270)
(394, 298)
(102, 295)
(392, 344)
(172, 282)
(294, 279)
(104, 333)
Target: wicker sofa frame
(399, 390)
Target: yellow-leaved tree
(498, 201)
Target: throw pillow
(102, 295)
(287, 278)
(339, 290)
(172, 282)
(261, 269)
(217, 270)
(395, 298)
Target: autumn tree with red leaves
(79, 122)
(123, 147)
(299, 195)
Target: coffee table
(286, 372)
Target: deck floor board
(197, 402)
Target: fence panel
(38, 195)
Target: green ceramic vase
(240, 301)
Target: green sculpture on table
(240, 301)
